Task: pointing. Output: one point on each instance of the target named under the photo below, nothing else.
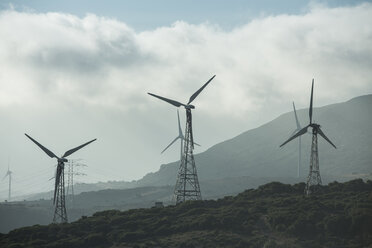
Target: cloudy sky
(71, 72)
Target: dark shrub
(95, 239)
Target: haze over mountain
(256, 153)
(246, 161)
(70, 75)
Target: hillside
(274, 215)
(256, 153)
(246, 161)
(25, 213)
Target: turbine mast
(10, 186)
(313, 179)
(9, 174)
(299, 158)
(60, 214)
(187, 185)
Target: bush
(337, 224)
(95, 239)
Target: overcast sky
(71, 72)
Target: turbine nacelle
(314, 125)
(62, 160)
(189, 106)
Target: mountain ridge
(287, 156)
(283, 125)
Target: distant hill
(274, 215)
(25, 213)
(256, 153)
(246, 161)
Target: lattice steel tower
(70, 179)
(187, 185)
(60, 214)
(313, 179)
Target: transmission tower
(70, 178)
(313, 179)
(187, 185)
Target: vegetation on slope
(274, 215)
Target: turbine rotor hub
(314, 125)
(189, 106)
(62, 160)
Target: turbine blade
(58, 174)
(311, 103)
(170, 144)
(301, 132)
(196, 144)
(191, 132)
(69, 152)
(50, 154)
(173, 102)
(192, 98)
(325, 137)
(179, 125)
(295, 114)
(293, 133)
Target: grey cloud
(66, 79)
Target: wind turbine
(9, 174)
(313, 178)
(187, 185)
(60, 214)
(180, 136)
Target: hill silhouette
(251, 159)
(274, 215)
(256, 153)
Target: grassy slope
(274, 215)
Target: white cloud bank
(96, 71)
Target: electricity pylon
(70, 179)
